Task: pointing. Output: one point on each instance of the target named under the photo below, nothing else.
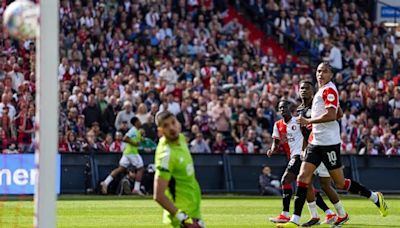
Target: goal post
(46, 135)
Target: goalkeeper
(175, 186)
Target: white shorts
(131, 159)
(321, 171)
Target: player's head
(168, 125)
(324, 73)
(306, 89)
(136, 122)
(284, 108)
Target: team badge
(294, 127)
(331, 97)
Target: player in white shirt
(287, 133)
(325, 147)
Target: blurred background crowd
(120, 59)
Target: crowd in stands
(120, 59)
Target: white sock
(329, 212)
(285, 213)
(137, 186)
(340, 209)
(374, 197)
(108, 180)
(312, 207)
(295, 219)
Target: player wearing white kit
(325, 147)
(287, 132)
(306, 92)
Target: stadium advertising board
(388, 11)
(18, 174)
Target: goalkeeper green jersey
(174, 164)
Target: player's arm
(274, 147)
(339, 113)
(275, 140)
(160, 185)
(161, 181)
(331, 102)
(130, 141)
(328, 116)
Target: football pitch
(218, 211)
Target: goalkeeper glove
(185, 220)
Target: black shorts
(329, 155)
(294, 165)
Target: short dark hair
(327, 65)
(134, 120)
(307, 82)
(160, 117)
(287, 102)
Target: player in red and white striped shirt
(325, 147)
(287, 132)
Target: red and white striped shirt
(290, 136)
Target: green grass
(231, 211)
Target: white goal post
(46, 115)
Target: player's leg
(357, 188)
(312, 207)
(333, 163)
(287, 192)
(137, 161)
(326, 186)
(291, 172)
(312, 160)
(123, 164)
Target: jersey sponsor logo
(189, 169)
(331, 97)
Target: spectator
(254, 140)
(5, 102)
(169, 77)
(199, 145)
(118, 145)
(109, 115)
(73, 145)
(244, 147)
(147, 145)
(92, 144)
(91, 112)
(369, 148)
(394, 149)
(219, 146)
(346, 145)
(221, 114)
(269, 184)
(107, 143)
(142, 113)
(25, 130)
(7, 127)
(124, 115)
(150, 128)
(394, 122)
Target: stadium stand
(218, 69)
